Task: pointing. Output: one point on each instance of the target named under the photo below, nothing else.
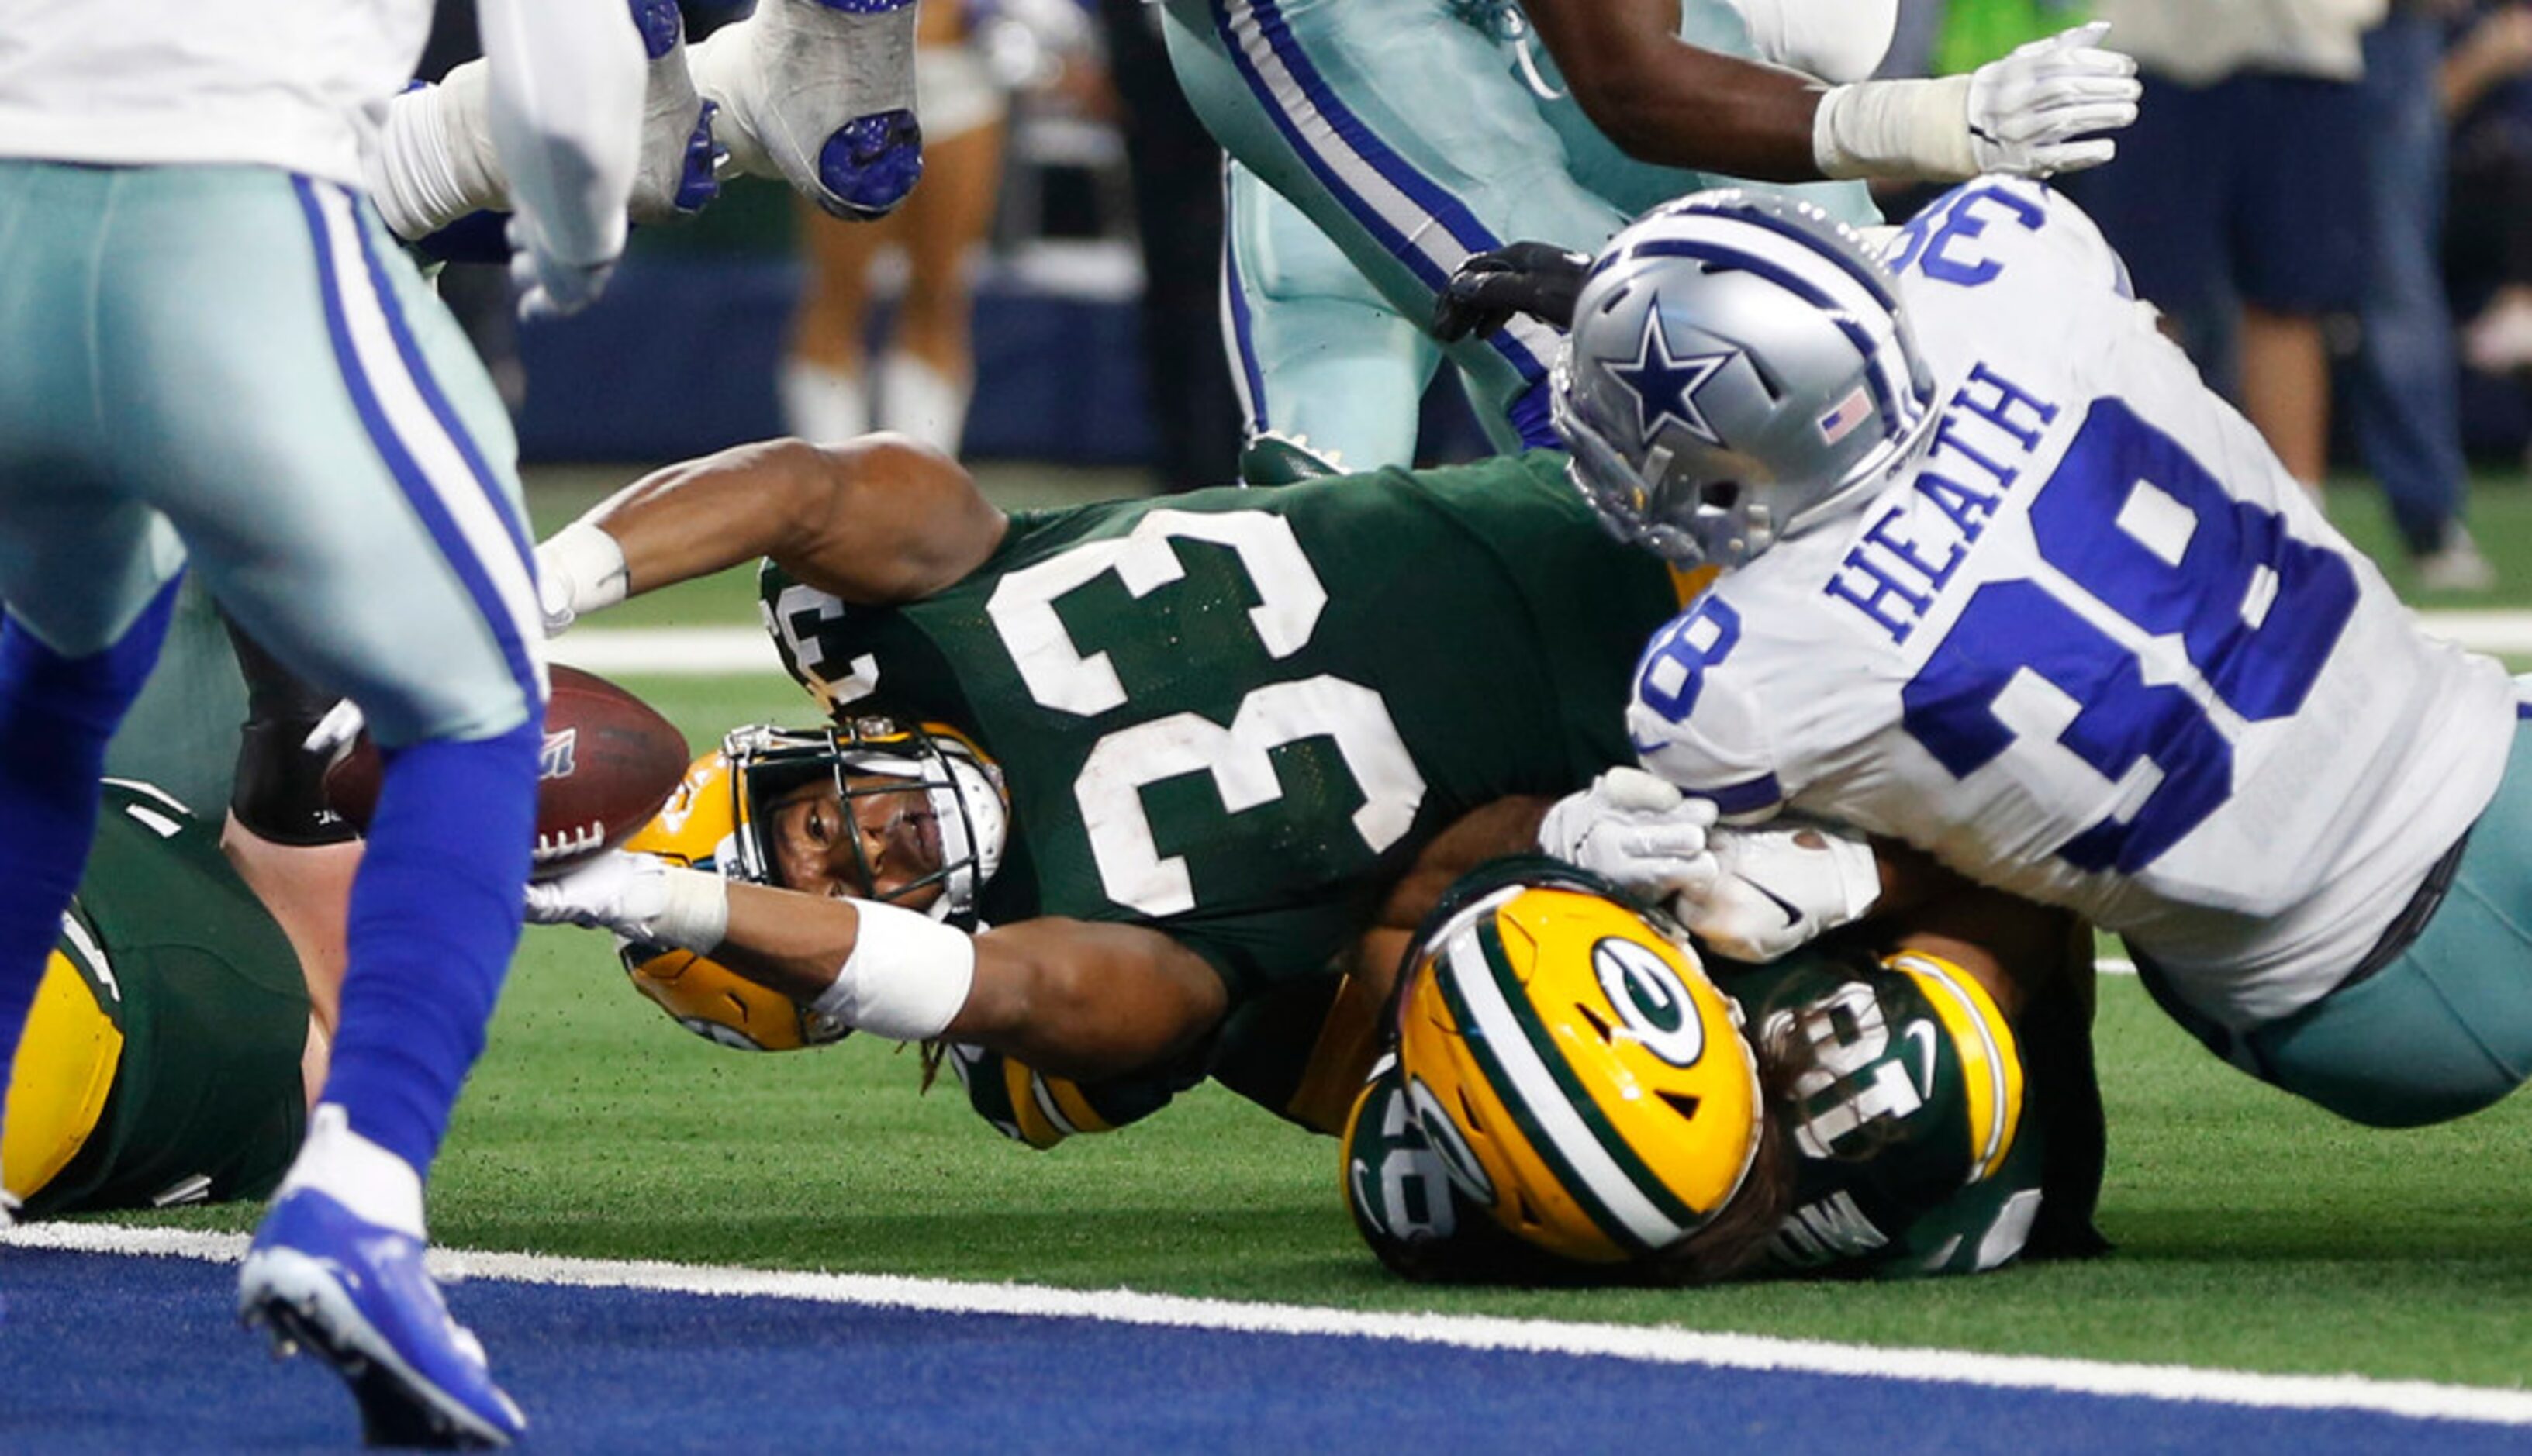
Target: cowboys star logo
(1665, 388)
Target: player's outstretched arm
(876, 520)
(1074, 998)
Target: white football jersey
(299, 85)
(2094, 647)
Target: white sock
(357, 1173)
(435, 161)
(822, 404)
(918, 400)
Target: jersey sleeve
(1030, 1106)
(1696, 717)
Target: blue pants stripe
(1360, 147)
(425, 493)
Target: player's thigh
(311, 418)
(1315, 349)
(1402, 132)
(948, 217)
(2445, 1028)
(79, 555)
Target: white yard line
(1661, 1345)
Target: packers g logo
(1650, 998)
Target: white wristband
(696, 915)
(580, 569)
(906, 978)
(1901, 128)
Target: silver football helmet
(1739, 371)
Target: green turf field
(2254, 1232)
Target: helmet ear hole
(1722, 495)
(1683, 1103)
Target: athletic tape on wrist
(906, 978)
(696, 914)
(580, 569)
(1904, 128)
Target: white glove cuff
(906, 978)
(1903, 129)
(696, 915)
(1859, 877)
(580, 570)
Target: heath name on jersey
(2093, 645)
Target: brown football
(609, 761)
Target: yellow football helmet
(1576, 1073)
(712, 822)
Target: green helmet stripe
(1563, 1126)
(1620, 1150)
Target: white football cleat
(819, 93)
(677, 170)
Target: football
(609, 761)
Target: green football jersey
(1913, 1153)
(207, 1101)
(1238, 714)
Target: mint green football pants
(2443, 1029)
(1410, 133)
(237, 367)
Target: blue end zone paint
(111, 1354)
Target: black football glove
(1538, 279)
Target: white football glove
(1779, 887)
(640, 897)
(580, 569)
(2020, 114)
(2027, 108)
(1636, 830)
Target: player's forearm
(1670, 103)
(698, 517)
(876, 520)
(565, 114)
(1087, 1000)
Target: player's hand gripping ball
(609, 761)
